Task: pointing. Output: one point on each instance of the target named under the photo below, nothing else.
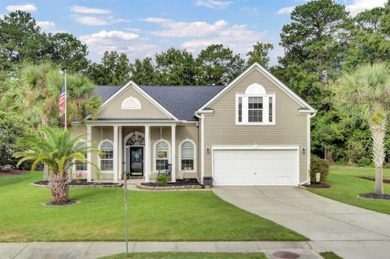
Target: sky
(142, 28)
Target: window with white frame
(255, 106)
(187, 156)
(106, 156)
(161, 155)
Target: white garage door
(255, 167)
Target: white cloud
(156, 20)
(121, 35)
(190, 29)
(214, 4)
(88, 10)
(26, 8)
(90, 20)
(362, 5)
(285, 10)
(120, 41)
(46, 25)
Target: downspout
(309, 117)
(201, 120)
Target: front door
(136, 161)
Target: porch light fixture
(208, 150)
(303, 151)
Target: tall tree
(20, 40)
(68, 52)
(218, 65)
(315, 42)
(143, 71)
(260, 54)
(369, 43)
(59, 152)
(365, 93)
(114, 69)
(175, 67)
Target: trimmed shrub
(163, 179)
(318, 165)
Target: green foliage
(54, 147)
(114, 69)
(218, 65)
(163, 179)
(143, 71)
(12, 127)
(175, 67)
(260, 54)
(320, 166)
(35, 90)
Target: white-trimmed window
(255, 107)
(131, 103)
(187, 156)
(161, 150)
(107, 155)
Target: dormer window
(255, 107)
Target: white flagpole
(66, 97)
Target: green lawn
(153, 216)
(347, 187)
(171, 255)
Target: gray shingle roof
(181, 101)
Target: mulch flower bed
(67, 203)
(375, 196)
(318, 185)
(12, 172)
(82, 183)
(179, 184)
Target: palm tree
(365, 93)
(59, 152)
(35, 92)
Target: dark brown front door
(136, 160)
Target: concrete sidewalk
(60, 250)
(349, 231)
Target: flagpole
(66, 97)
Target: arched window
(255, 107)
(161, 154)
(187, 156)
(131, 103)
(107, 157)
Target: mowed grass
(172, 255)
(99, 216)
(347, 187)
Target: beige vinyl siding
(182, 132)
(148, 110)
(290, 127)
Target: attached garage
(238, 166)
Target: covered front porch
(140, 150)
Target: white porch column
(173, 155)
(202, 147)
(147, 154)
(115, 155)
(120, 153)
(89, 154)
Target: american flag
(62, 101)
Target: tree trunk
(378, 133)
(59, 187)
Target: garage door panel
(255, 167)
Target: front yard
(153, 216)
(347, 186)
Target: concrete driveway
(349, 231)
